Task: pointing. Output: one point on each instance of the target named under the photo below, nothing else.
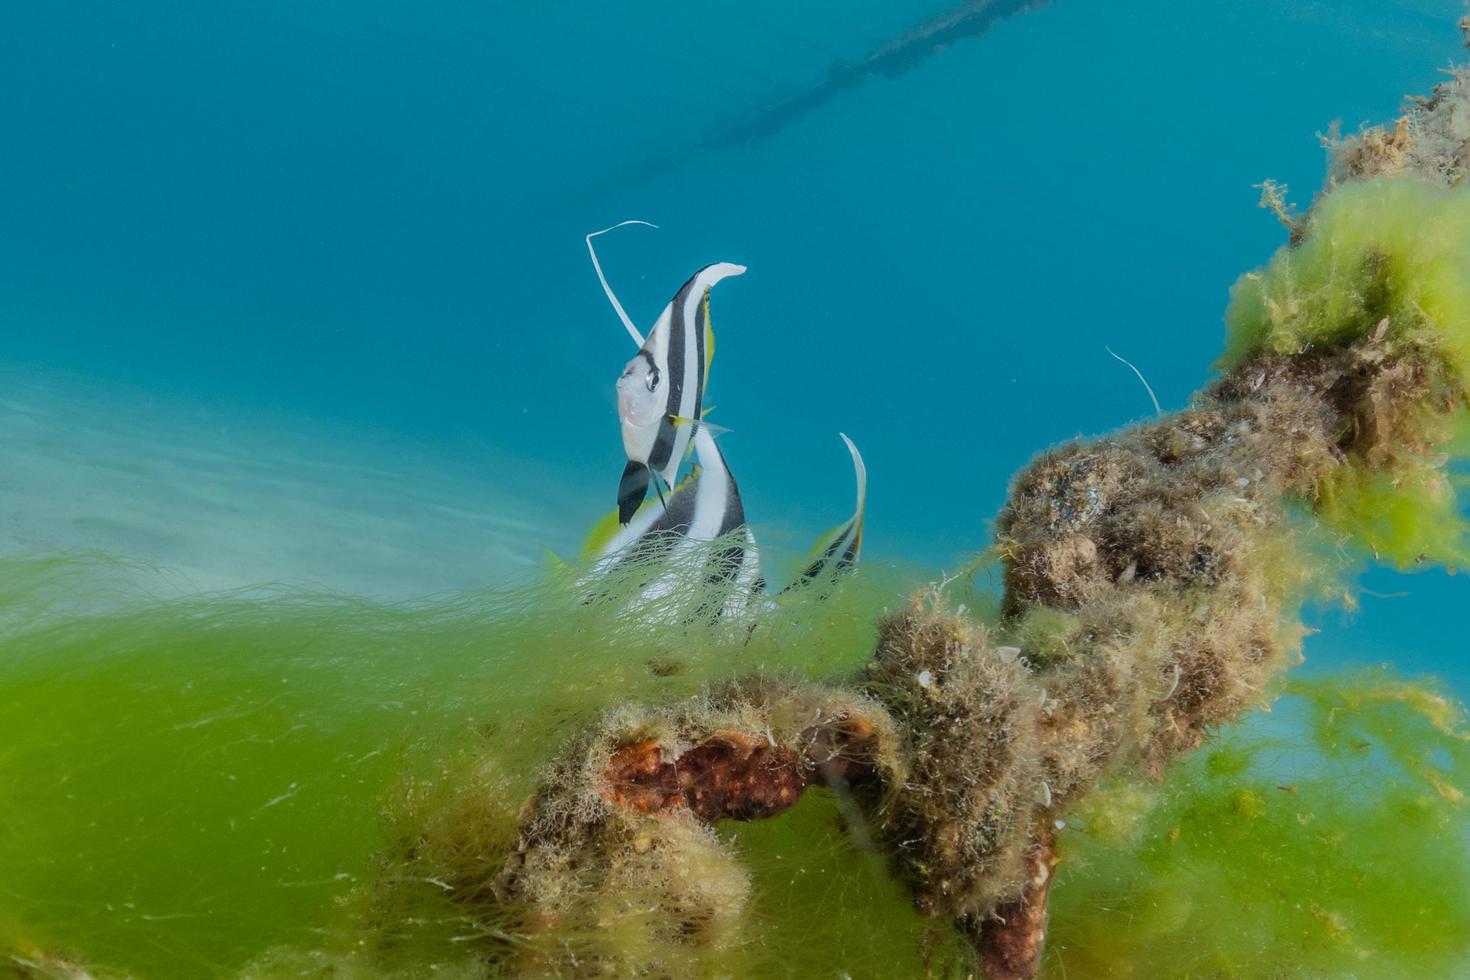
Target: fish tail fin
(632, 488)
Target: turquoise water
(297, 293)
(369, 218)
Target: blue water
(368, 218)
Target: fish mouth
(628, 412)
(631, 423)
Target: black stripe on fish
(723, 568)
(701, 320)
(663, 445)
(674, 358)
(843, 544)
(729, 570)
(663, 533)
(726, 565)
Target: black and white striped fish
(699, 538)
(840, 550)
(661, 390)
(670, 547)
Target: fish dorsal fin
(698, 285)
(855, 522)
(706, 279)
(817, 553)
(860, 474)
(841, 545)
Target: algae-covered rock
(1153, 584)
(619, 868)
(959, 825)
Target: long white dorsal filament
(611, 296)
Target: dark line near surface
(890, 60)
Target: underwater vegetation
(1328, 843)
(1153, 582)
(841, 783)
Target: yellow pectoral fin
(601, 534)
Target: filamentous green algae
(1327, 843)
(205, 785)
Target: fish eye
(652, 379)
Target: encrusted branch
(1153, 579)
(735, 775)
(1010, 942)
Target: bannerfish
(674, 541)
(840, 549)
(661, 390)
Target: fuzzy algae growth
(1386, 259)
(1384, 248)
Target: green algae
(1393, 248)
(1400, 521)
(1382, 260)
(1326, 839)
(239, 785)
(193, 782)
